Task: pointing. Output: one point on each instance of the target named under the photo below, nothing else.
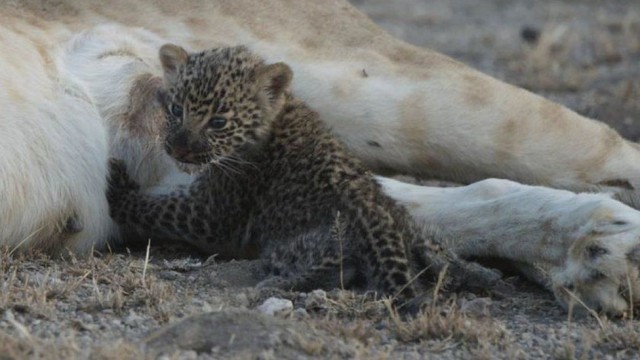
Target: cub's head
(219, 102)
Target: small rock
(240, 334)
(530, 34)
(133, 319)
(241, 300)
(300, 313)
(479, 307)
(188, 355)
(168, 275)
(276, 306)
(317, 299)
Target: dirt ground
(170, 303)
(582, 53)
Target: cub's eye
(217, 122)
(176, 110)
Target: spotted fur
(278, 185)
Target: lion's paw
(601, 270)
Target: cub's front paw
(120, 186)
(601, 270)
(119, 178)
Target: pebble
(276, 306)
(530, 34)
(168, 275)
(479, 307)
(317, 299)
(300, 313)
(133, 319)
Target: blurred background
(582, 53)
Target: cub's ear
(172, 57)
(275, 79)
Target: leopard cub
(274, 183)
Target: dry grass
(344, 304)
(36, 282)
(30, 282)
(447, 324)
(622, 339)
(120, 282)
(64, 308)
(362, 331)
(28, 347)
(119, 350)
(37, 290)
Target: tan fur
(143, 102)
(283, 30)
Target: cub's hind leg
(312, 260)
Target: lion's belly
(53, 152)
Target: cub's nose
(177, 151)
(177, 144)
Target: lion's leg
(461, 125)
(588, 243)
